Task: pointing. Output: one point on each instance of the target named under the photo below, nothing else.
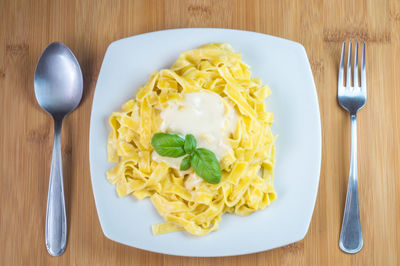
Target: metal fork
(352, 98)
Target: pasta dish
(225, 163)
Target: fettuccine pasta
(184, 200)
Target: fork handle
(351, 236)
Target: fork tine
(341, 68)
(348, 75)
(355, 74)
(363, 75)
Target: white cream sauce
(206, 115)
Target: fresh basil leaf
(168, 144)
(185, 164)
(205, 164)
(190, 144)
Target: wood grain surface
(88, 27)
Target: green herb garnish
(185, 164)
(206, 165)
(168, 145)
(190, 144)
(203, 161)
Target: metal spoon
(58, 86)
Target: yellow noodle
(247, 172)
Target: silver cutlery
(58, 86)
(352, 98)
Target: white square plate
(280, 63)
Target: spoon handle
(56, 219)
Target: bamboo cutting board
(88, 27)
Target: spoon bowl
(58, 80)
(58, 84)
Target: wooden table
(88, 27)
